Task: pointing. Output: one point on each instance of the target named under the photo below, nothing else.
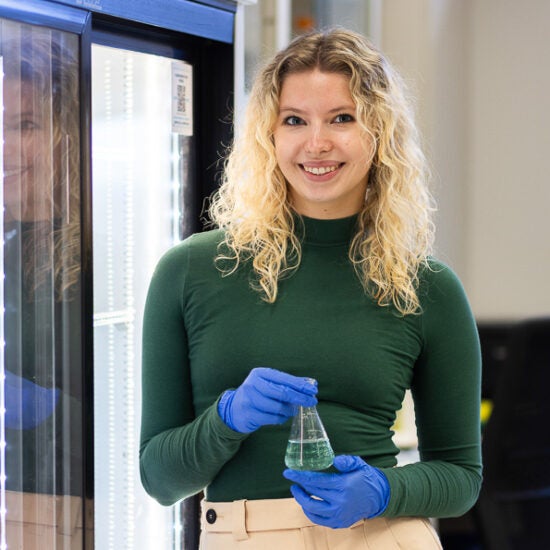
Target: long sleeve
(180, 453)
(446, 392)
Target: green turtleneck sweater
(204, 332)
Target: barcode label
(181, 103)
(182, 98)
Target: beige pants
(45, 522)
(280, 524)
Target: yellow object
(486, 409)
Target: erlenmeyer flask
(308, 445)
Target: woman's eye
(343, 118)
(28, 125)
(293, 120)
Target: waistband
(241, 517)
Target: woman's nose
(318, 140)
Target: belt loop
(238, 518)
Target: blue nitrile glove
(267, 396)
(359, 491)
(27, 404)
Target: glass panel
(139, 171)
(41, 427)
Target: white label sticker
(182, 98)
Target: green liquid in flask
(308, 445)
(316, 454)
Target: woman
(41, 287)
(320, 269)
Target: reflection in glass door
(141, 143)
(41, 439)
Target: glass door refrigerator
(114, 117)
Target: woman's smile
(319, 170)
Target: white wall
(508, 152)
(481, 73)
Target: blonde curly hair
(40, 58)
(395, 230)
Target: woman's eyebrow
(339, 109)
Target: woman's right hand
(27, 404)
(267, 396)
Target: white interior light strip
(3, 543)
(129, 246)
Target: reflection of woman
(320, 269)
(41, 259)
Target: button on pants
(280, 524)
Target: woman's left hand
(339, 500)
